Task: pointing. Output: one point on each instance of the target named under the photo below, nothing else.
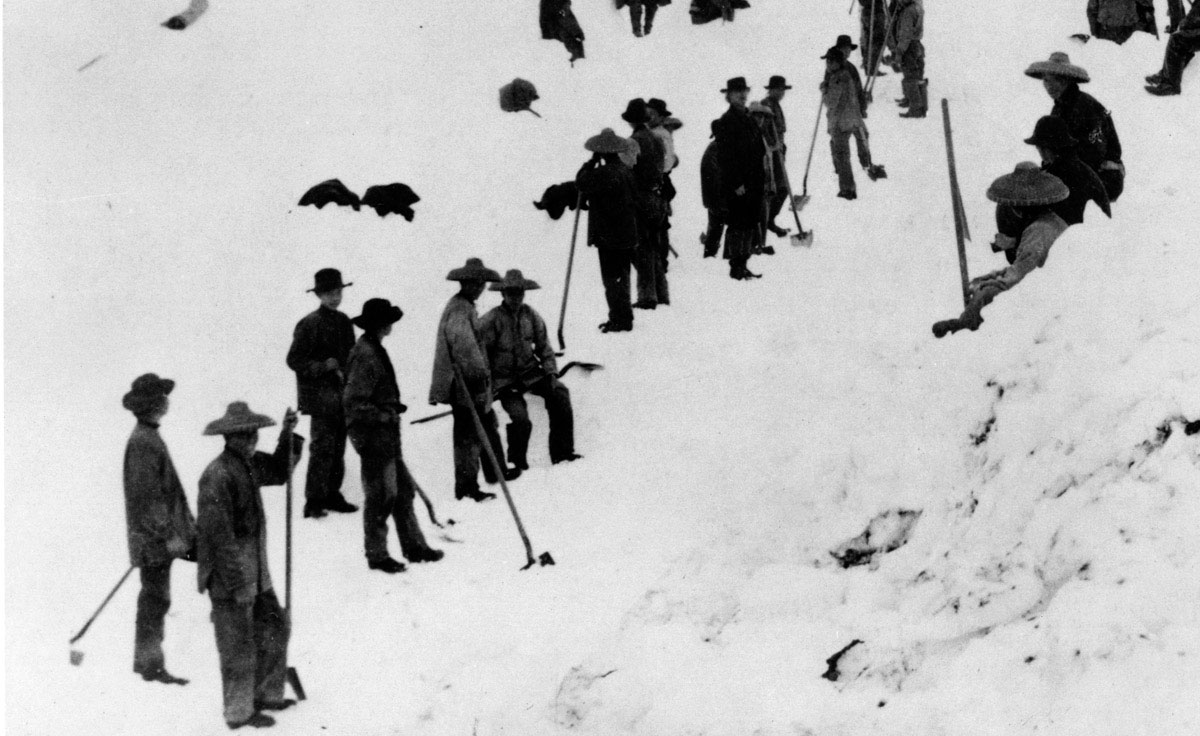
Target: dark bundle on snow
(518, 95)
(559, 198)
(703, 11)
(391, 199)
(331, 190)
(558, 23)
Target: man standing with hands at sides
(252, 629)
(320, 348)
(776, 89)
(459, 345)
(373, 410)
(652, 287)
(607, 185)
(741, 155)
(160, 524)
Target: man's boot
(918, 92)
(518, 444)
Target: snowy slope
(733, 440)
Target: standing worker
(740, 155)
(652, 210)
(607, 185)
(777, 87)
(908, 28)
(321, 346)
(161, 528)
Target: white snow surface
(1050, 586)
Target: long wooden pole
(956, 202)
(562, 313)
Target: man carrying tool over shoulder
(521, 360)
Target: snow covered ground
(1050, 583)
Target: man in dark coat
(908, 28)
(740, 154)
(608, 186)
(636, 10)
(321, 345)
(777, 87)
(252, 629)
(873, 20)
(1116, 20)
(522, 361)
(651, 254)
(460, 346)
(1088, 122)
(1181, 47)
(710, 193)
(1057, 149)
(373, 409)
(558, 23)
(160, 524)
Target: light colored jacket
(670, 160)
(516, 343)
(458, 339)
(843, 99)
(1032, 250)
(909, 25)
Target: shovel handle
(111, 593)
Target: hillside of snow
(1035, 481)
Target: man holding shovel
(522, 360)
(607, 184)
(252, 629)
(160, 524)
(459, 346)
(373, 409)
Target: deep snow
(732, 441)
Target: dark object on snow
(179, 22)
(1080, 37)
(703, 11)
(559, 198)
(1116, 20)
(887, 532)
(331, 190)
(518, 95)
(558, 23)
(391, 199)
(831, 672)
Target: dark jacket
(372, 400)
(232, 527)
(323, 334)
(1091, 125)
(909, 25)
(558, 198)
(780, 121)
(156, 508)
(1084, 184)
(741, 152)
(710, 178)
(558, 23)
(458, 343)
(612, 205)
(648, 170)
(516, 343)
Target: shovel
(77, 655)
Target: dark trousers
(712, 236)
(326, 459)
(635, 14)
(738, 244)
(650, 262)
(912, 65)
(389, 491)
(152, 605)
(558, 407)
(615, 265)
(252, 641)
(1179, 53)
(467, 449)
(872, 39)
(839, 145)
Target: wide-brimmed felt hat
(1058, 65)
(778, 82)
(473, 270)
(761, 109)
(844, 40)
(1028, 186)
(145, 393)
(1051, 132)
(514, 279)
(607, 142)
(658, 106)
(835, 54)
(672, 124)
(736, 84)
(238, 418)
(635, 111)
(377, 313)
(328, 279)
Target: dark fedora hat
(514, 279)
(328, 279)
(146, 392)
(658, 106)
(238, 418)
(844, 40)
(1027, 186)
(377, 313)
(778, 82)
(834, 54)
(1051, 132)
(473, 270)
(736, 84)
(607, 142)
(635, 111)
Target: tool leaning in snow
(869, 87)
(799, 202)
(801, 237)
(562, 313)
(961, 231)
(77, 655)
(293, 677)
(544, 558)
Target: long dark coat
(558, 23)
(1091, 125)
(156, 509)
(741, 152)
(372, 398)
(612, 205)
(710, 178)
(1084, 184)
(232, 527)
(322, 334)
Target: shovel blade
(799, 200)
(804, 239)
(293, 678)
(76, 657)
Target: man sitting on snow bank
(1026, 196)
